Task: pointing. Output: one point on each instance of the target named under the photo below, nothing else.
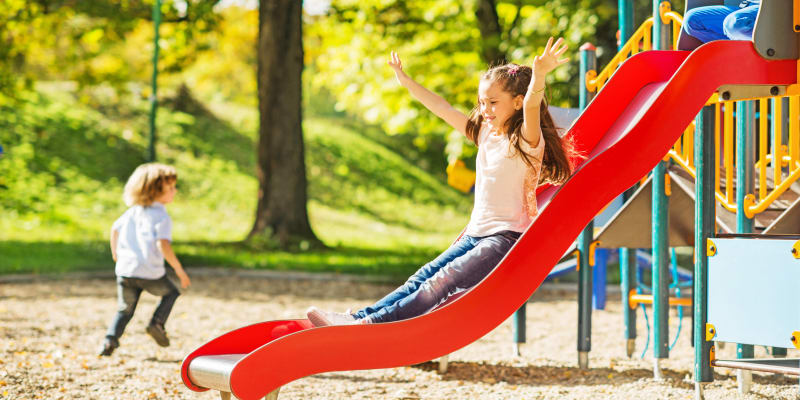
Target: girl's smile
(496, 104)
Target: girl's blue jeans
(460, 267)
(721, 23)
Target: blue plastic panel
(752, 291)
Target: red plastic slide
(624, 132)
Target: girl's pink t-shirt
(505, 186)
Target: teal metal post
(627, 257)
(745, 127)
(588, 63)
(660, 247)
(151, 154)
(662, 35)
(626, 28)
(627, 282)
(518, 324)
(745, 146)
(660, 277)
(584, 297)
(704, 217)
(784, 126)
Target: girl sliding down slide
(518, 147)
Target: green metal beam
(660, 277)
(588, 62)
(627, 257)
(660, 247)
(745, 153)
(783, 125)
(627, 282)
(626, 28)
(151, 154)
(704, 159)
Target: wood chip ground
(51, 330)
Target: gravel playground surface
(51, 330)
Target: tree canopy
(209, 46)
(96, 41)
(442, 46)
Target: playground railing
(777, 164)
(778, 153)
(641, 39)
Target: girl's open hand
(396, 64)
(549, 59)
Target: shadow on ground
(546, 375)
(571, 376)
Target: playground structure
(771, 112)
(647, 109)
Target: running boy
(140, 242)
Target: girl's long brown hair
(556, 165)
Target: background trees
(209, 71)
(445, 44)
(281, 209)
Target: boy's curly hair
(147, 183)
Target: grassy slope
(66, 162)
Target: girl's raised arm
(548, 61)
(432, 101)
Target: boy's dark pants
(128, 292)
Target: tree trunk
(491, 32)
(281, 210)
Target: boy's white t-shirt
(139, 230)
(505, 186)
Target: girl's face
(496, 104)
(168, 194)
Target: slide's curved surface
(624, 132)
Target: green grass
(68, 155)
(53, 257)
